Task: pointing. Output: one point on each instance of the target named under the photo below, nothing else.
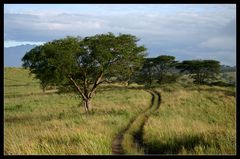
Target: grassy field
(51, 123)
(193, 120)
(190, 120)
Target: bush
(169, 78)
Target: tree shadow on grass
(230, 93)
(62, 115)
(18, 85)
(175, 145)
(110, 112)
(226, 92)
(118, 87)
(17, 119)
(30, 118)
(29, 94)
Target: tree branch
(78, 88)
(96, 83)
(85, 83)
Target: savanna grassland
(193, 120)
(190, 120)
(51, 123)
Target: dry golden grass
(194, 120)
(37, 123)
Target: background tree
(160, 69)
(83, 63)
(146, 73)
(201, 70)
(164, 66)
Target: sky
(186, 31)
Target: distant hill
(13, 55)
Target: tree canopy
(164, 66)
(85, 63)
(201, 70)
(160, 69)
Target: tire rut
(117, 147)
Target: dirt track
(117, 148)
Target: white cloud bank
(206, 31)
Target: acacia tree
(83, 63)
(158, 69)
(201, 70)
(146, 74)
(163, 65)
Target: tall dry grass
(51, 123)
(193, 120)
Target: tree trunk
(150, 80)
(126, 83)
(87, 105)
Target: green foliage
(159, 69)
(201, 71)
(164, 66)
(146, 74)
(169, 78)
(85, 63)
(53, 60)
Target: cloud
(162, 24)
(181, 30)
(220, 43)
(17, 43)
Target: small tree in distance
(84, 63)
(146, 74)
(163, 65)
(201, 70)
(160, 69)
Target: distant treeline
(225, 68)
(165, 69)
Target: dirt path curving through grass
(130, 139)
